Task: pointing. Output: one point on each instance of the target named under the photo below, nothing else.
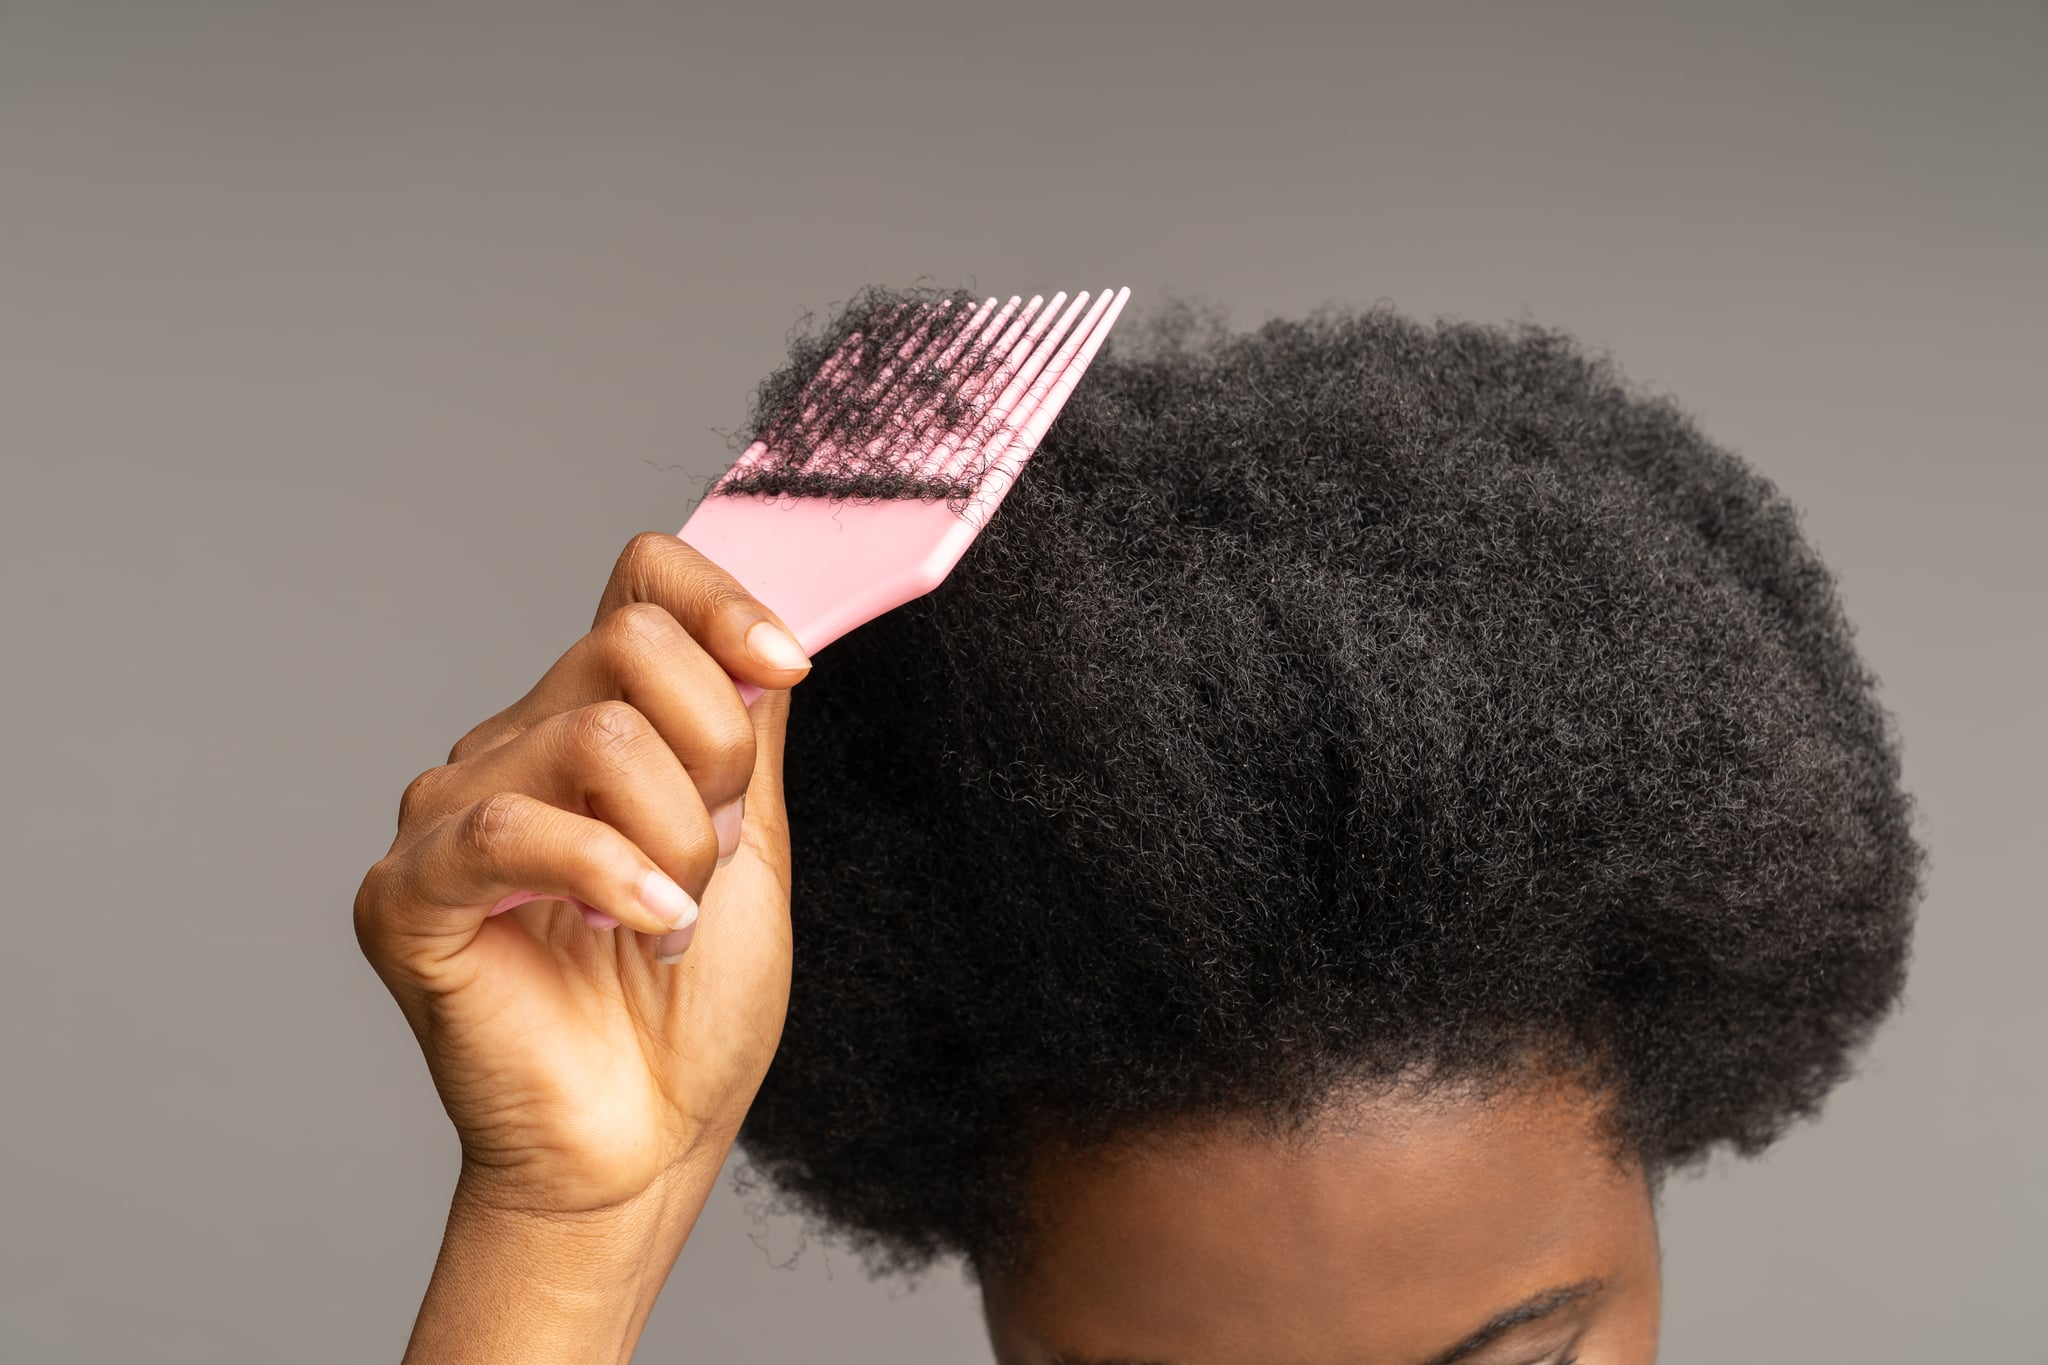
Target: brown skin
(1395, 1235)
(597, 1088)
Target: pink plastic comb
(826, 564)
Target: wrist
(516, 1283)
(578, 1250)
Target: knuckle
(371, 897)
(636, 631)
(478, 739)
(695, 858)
(610, 732)
(372, 889)
(729, 746)
(492, 823)
(642, 553)
(421, 796)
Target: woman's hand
(586, 1067)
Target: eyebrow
(1500, 1324)
(1527, 1311)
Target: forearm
(513, 1286)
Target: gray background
(343, 344)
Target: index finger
(749, 641)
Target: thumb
(767, 819)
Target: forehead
(1399, 1223)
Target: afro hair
(1346, 698)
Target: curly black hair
(1346, 698)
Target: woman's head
(1374, 787)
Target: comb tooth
(801, 439)
(994, 421)
(906, 341)
(908, 403)
(1018, 341)
(900, 401)
(1067, 369)
(788, 429)
(975, 365)
(916, 339)
(812, 402)
(1064, 370)
(982, 368)
(897, 332)
(913, 447)
(804, 407)
(796, 434)
(1047, 346)
(992, 386)
(974, 325)
(1015, 350)
(1026, 425)
(958, 338)
(1028, 323)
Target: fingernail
(774, 647)
(666, 901)
(671, 948)
(725, 823)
